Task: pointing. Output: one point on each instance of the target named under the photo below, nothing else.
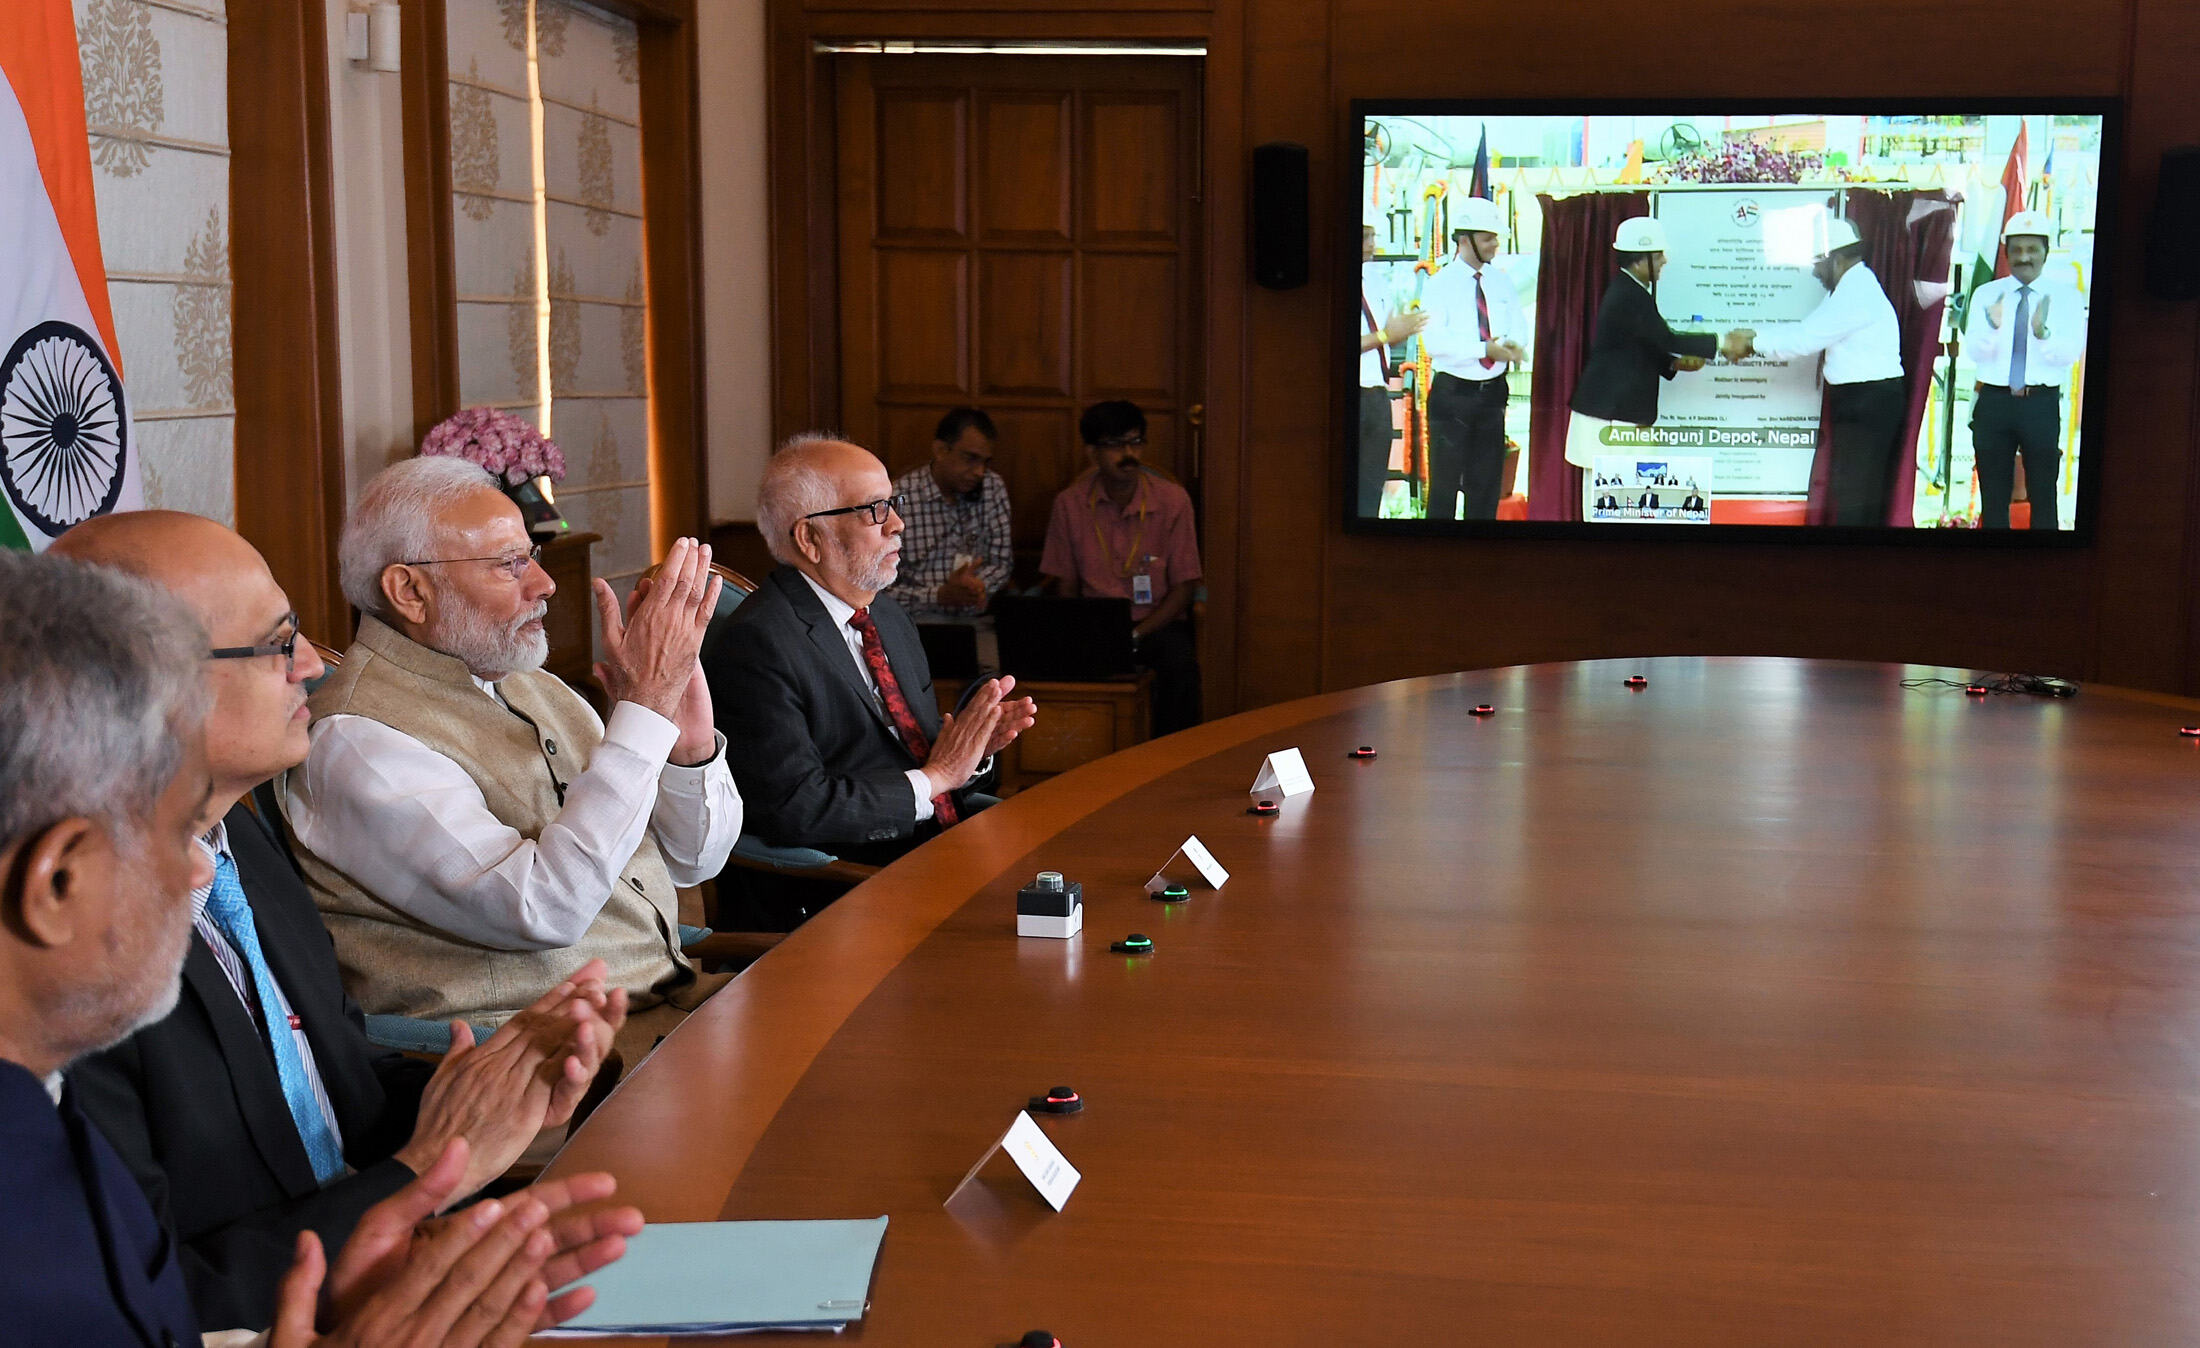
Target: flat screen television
(1786, 320)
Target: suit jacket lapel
(831, 646)
(252, 1076)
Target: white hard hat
(1838, 234)
(2028, 222)
(1479, 214)
(1639, 235)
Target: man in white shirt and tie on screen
(1856, 328)
(1473, 336)
(2024, 332)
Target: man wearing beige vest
(470, 829)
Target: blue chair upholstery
(408, 1035)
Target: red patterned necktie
(1482, 321)
(897, 707)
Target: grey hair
(399, 519)
(100, 680)
(793, 486)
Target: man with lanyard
(1471, 339)
(2024, 333)
(1376, 373)
(1857, 330)
(1121, 532)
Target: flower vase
(537, 506)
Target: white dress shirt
(1375, 294)
(2047, 360)
(840, 611)
(1855, 326)
(411, 827)
(1454, 333)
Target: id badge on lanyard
(1142, 588)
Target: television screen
(1586, 319)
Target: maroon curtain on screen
(1907, 236)
(1577, 266)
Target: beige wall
(367, 131)
(736, 252)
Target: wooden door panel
(923, 183)
(1037, 454)
(1127, 326)
(1024, 168)
(905, 436)
(1019, 234)
(923, 324)
(1133, 193)
(1023, 324)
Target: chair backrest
(736, 588)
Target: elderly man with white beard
(468, 826)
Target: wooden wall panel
(288, 381)
(1328, 610)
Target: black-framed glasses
(874, 511)
(286, 648)
(514, 565)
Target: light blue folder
(731, 1277)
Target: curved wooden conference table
(1772, 1003)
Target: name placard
(1283, 773)
(1203, 861)
(1036, 1156)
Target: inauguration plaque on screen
(1838, 320)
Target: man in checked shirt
(955, 546)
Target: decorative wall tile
(190, 464)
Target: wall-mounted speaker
(1279, 215)
(2173, 243)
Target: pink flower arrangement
(508, 446)
(1743, 161)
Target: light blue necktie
(2024, 335)
(227, 906)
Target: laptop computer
(951, 649)
(1063, 638)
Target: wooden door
(1020, 234)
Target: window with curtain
(547, 248)
(156, 102)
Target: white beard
(491, 652)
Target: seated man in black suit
(104, 790)
(1630, 350)
(240, 1140)
(819, 682)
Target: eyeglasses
(515, 565)
(875, 511)
(286, 648)
(1132, 441)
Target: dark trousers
(1867, 421)
(1173, 656)
(2002, 424)
(1374, 450)
(1466, 445)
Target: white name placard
(1283, 773)
(1036, 1156)
(1202, 861)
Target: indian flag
(67, 451)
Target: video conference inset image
(1861, 319)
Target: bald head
(257, 727)
(849, 554)
(208, 566)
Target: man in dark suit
(104, 788)
(819, 682)
(1631, 348)
(241, 1139)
